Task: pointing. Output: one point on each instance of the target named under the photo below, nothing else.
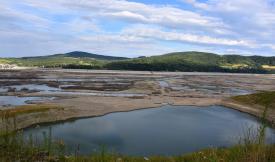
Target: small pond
(37, 87)
(6, 101)
(169, 130)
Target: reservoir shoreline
(86, 90)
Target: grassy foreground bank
(263, 102)
(14, 148)
(261, 99)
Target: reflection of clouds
(168, 130)
(87, 127)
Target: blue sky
(136, 27)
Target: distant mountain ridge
(177, 61)
(198, 61)
(80, 54)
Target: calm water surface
(170, 130)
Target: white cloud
(197, 4)
(126, 15)
(133, 11)
(217, 25)
(185, 37)
(12, 16)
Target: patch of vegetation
(26, 109)
(13, 147)
(250, 153)
(5, 61)
(57, 61)
(262, 99)
(269, 67)
(190, 62)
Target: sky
(132, 28)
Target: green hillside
(180, 61)
(73, 59)
(56, 61)
(196, 61)
(79, 54)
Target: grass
(26, 109)
(4, 61)
(268, 67)
(261, 99)
(17, 149)
(234, 66)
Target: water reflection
(170, 130)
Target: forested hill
(80, 54)
(72, 59)
(180, 61)
(198, 61)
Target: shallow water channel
(7, 101)
(169, 130)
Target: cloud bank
(132, 28)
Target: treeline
(173, 67)
(179, 67)
(263, 60)
(75, 66)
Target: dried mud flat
(83, 93)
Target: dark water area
(169, 130)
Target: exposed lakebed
(169, 130)
(43, 89)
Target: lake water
(169, 130)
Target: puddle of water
(6, 101)
(237, 91)
(95, 94)
(170, 130)
(184, 88)
(3, 89)
(37, 87)
(46, 90)
(163, 84)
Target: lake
(169, 130)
